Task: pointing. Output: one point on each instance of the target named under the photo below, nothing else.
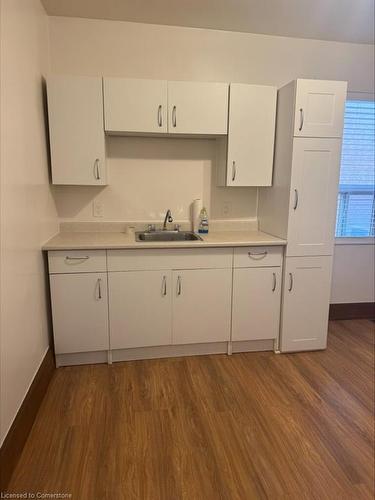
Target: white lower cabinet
(201, 305)
(256, 303)
(80, 312)
(122, 300)
(140, 309)
(307, 286)
(155, 308)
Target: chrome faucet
(168, 218)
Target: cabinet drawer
(258, 257)
(77, 261)
(184, 258)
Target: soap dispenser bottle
(203, 222)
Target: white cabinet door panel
(306, 293)
(132, 105)
(80, 312)
(320, 106)
(197, 108)
(251, 132)
(201, 305)
(75, 113)
(256, 303)
(140, 309)
(313, 196)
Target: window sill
(370, 240)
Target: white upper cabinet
(251, 132)
(307, 287)
(77, 142)
(157, 106)
(135, 106)
(197, 108)
(313, 196)
(319, 108)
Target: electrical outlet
(97, 208)
(226, 209)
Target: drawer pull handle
(174, 117)
(99, 288)
(295, 199)
(160, 118)
(274, 282)
(164, 286)
(301, 117)
(75, 259)
(290, 282)
(234, 171)
(257, 255)
(179, 285)
(96, 169)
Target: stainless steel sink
(166, 236)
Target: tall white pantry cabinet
(301, 205)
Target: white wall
(149, 175)
(182, 170)
(353, 274)
(28, 214)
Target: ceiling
(338, 20)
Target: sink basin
(166, 236)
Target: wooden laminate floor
(249, 426)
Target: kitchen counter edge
(123, 241)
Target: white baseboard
(253, 345)
(168, 351)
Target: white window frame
(366, 240)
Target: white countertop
(118, 240)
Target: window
(355, 208)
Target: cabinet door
(304, 319)
(313, 196)
(201, 305)
(256, 303)
(80, 312)
(319, 110)
(140, 310)
(251, 132)
(75, 113)
(135, 106)
(197, 108)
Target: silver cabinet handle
(290, 282)
(301, 118)
(257, 255)
(274, 282)
(85, 257)
(96, 169)
(295, 199)
(179, 285)
(234, 171)
(174, 116)
(160, 118)
(164, 286)
(99, 282)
